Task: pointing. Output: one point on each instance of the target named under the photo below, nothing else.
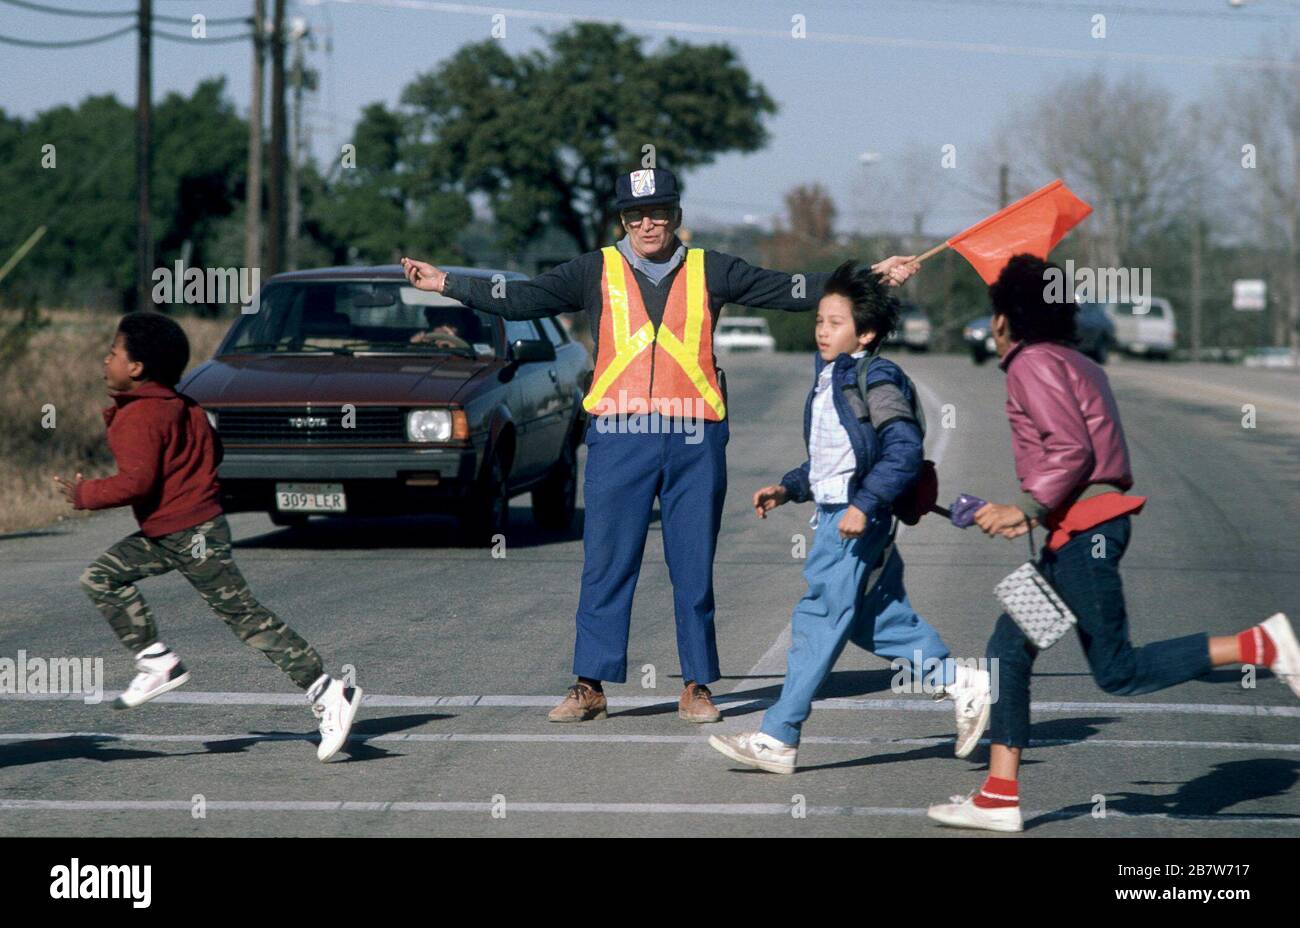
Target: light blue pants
(838, 607)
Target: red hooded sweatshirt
(167, 456)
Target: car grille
(312, 425)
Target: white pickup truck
(1152, 333)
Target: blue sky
(886, 76)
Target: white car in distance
(743, 333)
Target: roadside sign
(1249, 295)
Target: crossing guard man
(658, 425)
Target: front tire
(487, 512)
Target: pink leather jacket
(1065, 428)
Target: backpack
(917, 500)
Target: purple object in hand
(964, 509)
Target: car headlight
(428, 425)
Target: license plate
(310, 497)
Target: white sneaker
(335, 704)
(158, 670)
(972, 703)
(1286, 666)
(961, 812)
(755, 749)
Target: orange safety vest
(639, 370)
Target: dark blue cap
(647, 187)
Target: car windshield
(355, 317)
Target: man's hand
(1005, 520)
(896, 269)
(768, 499)
(424, 276)
(854, 523)
(69, 490)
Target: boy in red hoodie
(167, 455)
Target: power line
(115, 14)
(72, 43)
(1107, 6)
(207, 40)
(170, 36)
(678, 27)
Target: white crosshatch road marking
(572, 808)
(919, 703)
(588, 738)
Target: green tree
(543, 134)
(383, 205)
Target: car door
(531, 393)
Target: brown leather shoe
(581, 704)
(696, 705)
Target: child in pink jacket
(1073, 467)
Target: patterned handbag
(1032, 603)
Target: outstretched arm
(559, 290)
(735, 280)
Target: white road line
(572, 808)
(920, 703)
(577, 738)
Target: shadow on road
(75, 747)
(1228, 784)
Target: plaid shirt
(830, 455)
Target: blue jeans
(625, 472)
(838, 608)
(1090, 586)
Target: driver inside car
(448, 328)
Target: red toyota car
(346, 390)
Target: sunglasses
(659, 215)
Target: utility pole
(1004, 192)
(275, 186)
(143, 147)
(300, 32)
(253, 199)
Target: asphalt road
(461, 655)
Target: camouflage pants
(202, 555)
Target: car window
(360, 316)
(517, 329)
(554, 331)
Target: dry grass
(61, 373)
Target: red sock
(998, 794)
(1256, 647)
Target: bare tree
(1261, 111)
(1122, 145)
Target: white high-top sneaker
(961, 812)
(335, 704)
(755, 749)
(1286, 667)
(972, 703)
(158, 670)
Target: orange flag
(1033, 224)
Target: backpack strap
(884, 402)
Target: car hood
(325, 379)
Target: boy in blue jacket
(864, 452)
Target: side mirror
(524, 352)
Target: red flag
(1033, 224)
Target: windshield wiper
(278, 348)
(407, 347)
